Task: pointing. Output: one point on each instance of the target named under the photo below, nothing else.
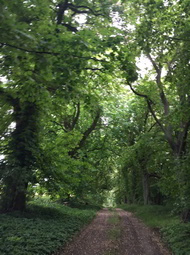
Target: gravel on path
(138, 239)
(133, 237)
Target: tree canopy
(79, 116)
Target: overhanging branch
(76, 9)
(86, 134)
(27, 50)
(76, 116)
(166, 131)
(49, 52)
(149, 103)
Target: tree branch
(95, 69)
(153, 175)
(182, 137)
(75, 8)
(177, 39)
(149, 102)
(158, 82)
(62, 8)
(59, 124)
(76, 118)
(27, 50)
(49, 52)
(153, 125)
(139, 94)
(86, 134)
(70, 28)
(146, 117)
(153, 63)
(167, 131)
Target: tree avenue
(79, 118)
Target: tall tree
(160, 34)
(45, 51)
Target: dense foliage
(94, 102)
(157, 151)
(56, 71)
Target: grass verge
(113, 234)
(42, 229)
(175, 233)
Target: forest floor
(116, 232)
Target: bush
(178, 238)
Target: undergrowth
(42, 229)
(175, 233)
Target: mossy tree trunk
(22, 157)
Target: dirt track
(116, 233)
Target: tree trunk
(21, 159)
(19, 202)
(145, 189)
(16, 198)
(185, 215)
(126, 200)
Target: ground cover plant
(174, 232)
(42, 229)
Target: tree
(45, 54)
(160, 34)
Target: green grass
(154, 216)
(114, 219)
(113, 252)
(175, 233)
(42, 229)
(114, 232)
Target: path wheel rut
(115, 233)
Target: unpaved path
(116, 233)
